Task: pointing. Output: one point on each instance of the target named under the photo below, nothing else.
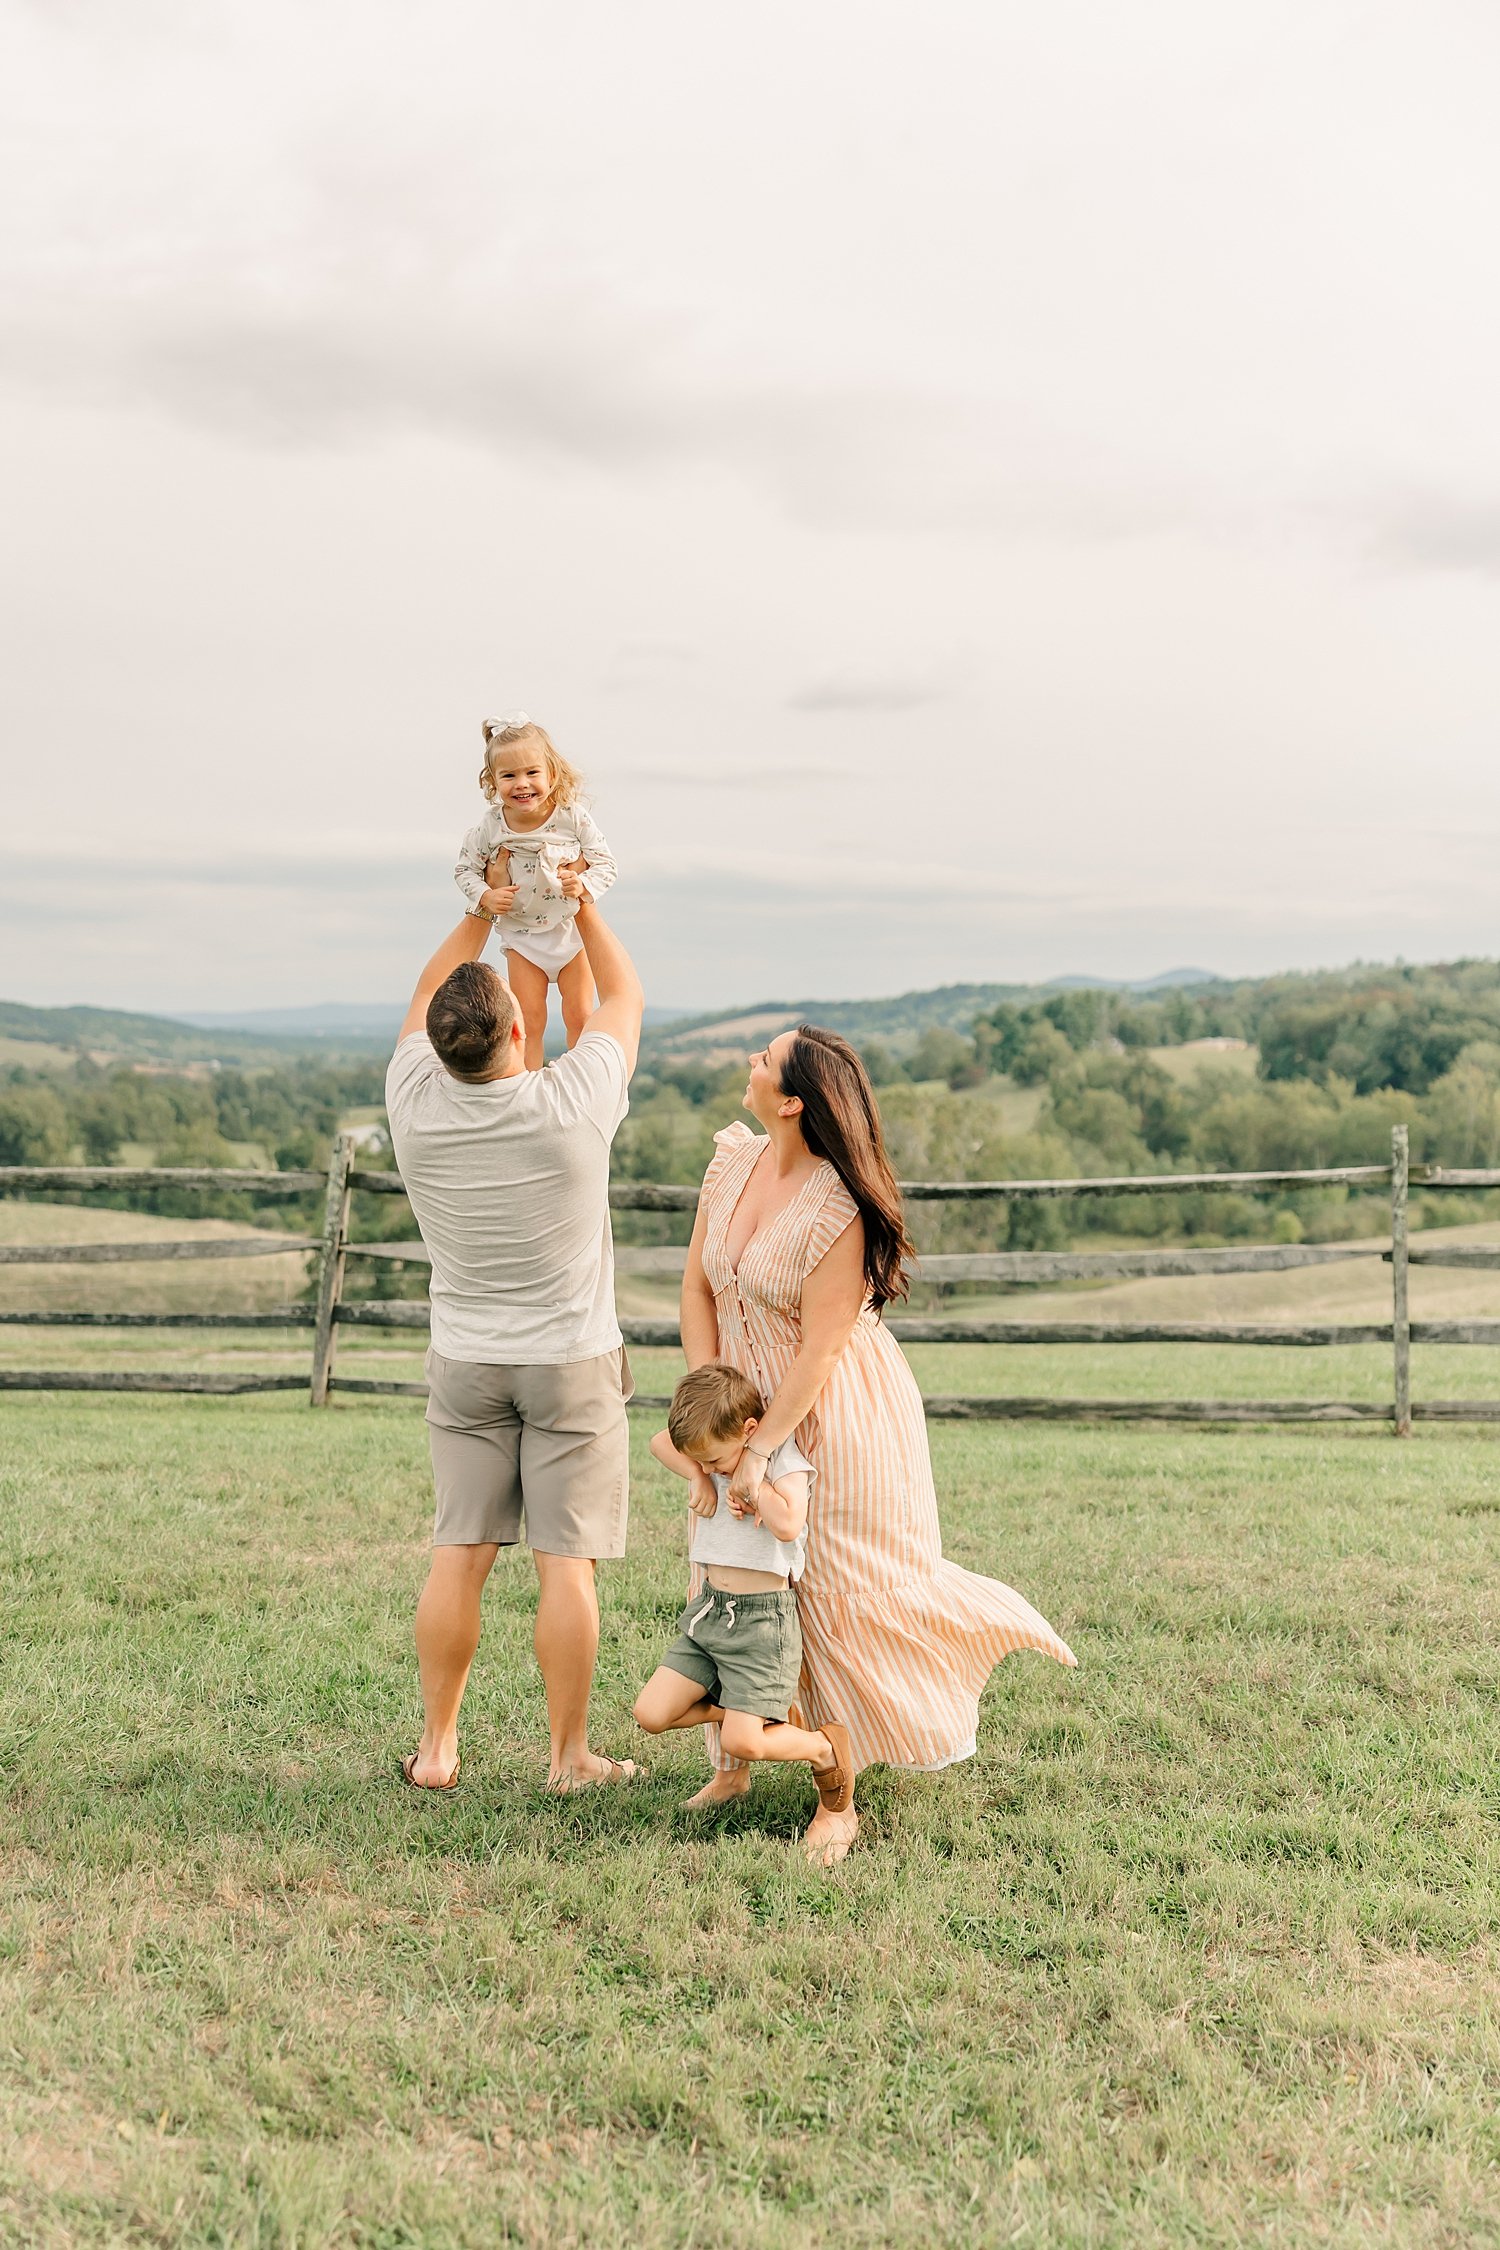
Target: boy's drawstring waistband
(699, 1614)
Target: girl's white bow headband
(512, 723)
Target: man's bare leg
(448, 1616)
(567, 1642)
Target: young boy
(738, 1655)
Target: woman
(797, 1249)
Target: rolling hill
(899, 1020)
(59, 1036)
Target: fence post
(1400, 1314)
(331, 1266)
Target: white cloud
(995, 492)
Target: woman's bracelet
(755, 1449)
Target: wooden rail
(41, 1178)
(1036, 1268)
(641, 1195)
(151, 1253)
(330, 1313)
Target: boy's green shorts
(743, 1650)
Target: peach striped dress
(897, 1643)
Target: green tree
(939, 1054)
(33, 1126)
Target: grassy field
(1184, 1063)
(1359, 1290)
(204, 1285)
(35, 1054)
(1202, 1948)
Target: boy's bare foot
(829, 1836)
(723, 1788)
(598, 1773)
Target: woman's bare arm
(833, 1296)
(700, 1321)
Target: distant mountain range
(111, 1034)
(903, 1019)
(339, 1020)
(269, 1035)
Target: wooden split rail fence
(330, 1312)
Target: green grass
(1201, 1949)
(1183, 1063)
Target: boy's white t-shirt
(739, 1542)
(509, 1183)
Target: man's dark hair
(469, 1019)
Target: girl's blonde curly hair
(504, 736)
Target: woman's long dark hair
(840, 1121)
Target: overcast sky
(983, 492)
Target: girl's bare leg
(529, 984)
(575, 989)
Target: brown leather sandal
(434, 1788)
(836, 1782)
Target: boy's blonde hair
(501, 735)
(711, 1406)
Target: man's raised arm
(621, 999)
(466, 943)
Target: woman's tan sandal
(836, 1782)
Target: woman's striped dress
(897, 1643)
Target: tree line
(1340, 1059)
(94, 1114)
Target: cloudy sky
(984, 491)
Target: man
(508, 1174)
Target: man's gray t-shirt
(509, 1182)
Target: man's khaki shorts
(550, 1444)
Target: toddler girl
(738, 1655)
(539, 837)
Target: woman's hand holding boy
(745, 1484)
